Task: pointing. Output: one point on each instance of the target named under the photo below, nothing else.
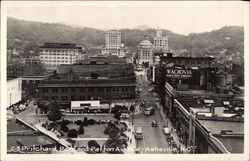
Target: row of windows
(192, 62)
(66, 61)
(60, 54)
(88, 97)
(46, 57)
(64, 51)
(64, 90)
(14, 69)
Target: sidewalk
(132, 142)
(169, 124)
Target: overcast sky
(180, 19)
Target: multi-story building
(54, 54)
(113, 45)
(211, 124)
(15, 70)
(145, 52)
(90, 80)
(32, 60)
(160, 42)
(14, 91)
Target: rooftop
(145, 43)
(233, 139)
(18, 134)
(216, 126)
(230, 106)
(61, 45)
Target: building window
(100, 89)
(45, 90)
(72, 98)
(54, 90)
(198, 61)
(82, 98)
(90, 89)
(186, 61)
(54, 98)
(64, 90)
(82, 89)
(192, 62)
(72, 89)
(64, 98)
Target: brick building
(91, 80)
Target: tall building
(160, 42)
(113, 45)
(145, 51)
(55, 54)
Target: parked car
(149, 111)
(125, 116)
(154, 123)
(63, 112)
(166, 130)
(138, 133)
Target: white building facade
(113, 45)
(14, 91)
(55, 54)
(160, 42)
(145, 52)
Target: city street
(153, 136)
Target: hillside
(228, 40)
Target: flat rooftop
(234, 144)
(216, 126)
(19, 134)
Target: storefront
(85, 106)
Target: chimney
(212, 110)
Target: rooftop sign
(178, 73)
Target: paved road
(153, 136)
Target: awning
(208, 101)
(226, 102)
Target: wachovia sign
(178, 73)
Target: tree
(72, 133)
(54, 111)
(85, 121)
(94, 147)
(64, 128)
(81, 130)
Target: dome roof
(145, 43)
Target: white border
(103, 157)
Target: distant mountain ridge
(32, 34)
(142, 27)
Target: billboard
(177, 73)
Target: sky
(182, 19)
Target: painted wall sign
(178, 73)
